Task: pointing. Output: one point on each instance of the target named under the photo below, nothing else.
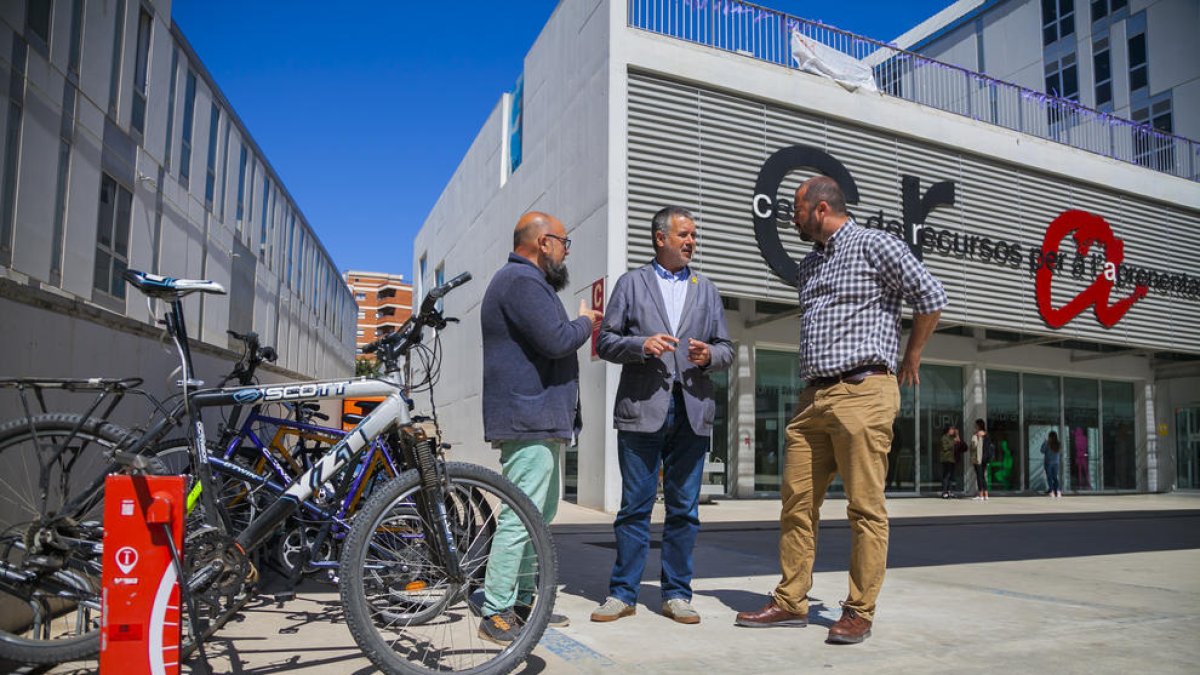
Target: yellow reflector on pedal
(414, 586)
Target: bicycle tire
(20, 502)
(424, 644)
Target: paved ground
(1022, 584)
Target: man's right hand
(592, 315)
(659, 343)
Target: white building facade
(627, 106)
(118, 150)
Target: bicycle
(415, 551)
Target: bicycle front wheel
(51, 595)
(403, 608)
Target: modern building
(1136, 60)
(118, 150)
(384, 303)
(1068, 262)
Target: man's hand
(592, 315)
(698, 352)
(657, 344)
(909, 374)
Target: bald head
(823, 189)
(529, 229)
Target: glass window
(185, 144)
(1102, 66)
(902, 458)
(118, 52)
(941, 404)
(1004, 427)
(1081, 412)
(1139, 73)
(140, 70)
(37, 18)
(241, 197)
(1042, 416)
(1120, 449)
(1153, 146)
(112, 238)
(12, 153)
(1058, 20)
(716, 469)
(171, 106)
(76, 37)
(210, 178)
(777, 386)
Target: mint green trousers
(533, 467)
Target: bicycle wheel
(241, 499)
(51, 595)
(404, 611)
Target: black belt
(853, 376)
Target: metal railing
(765, 34)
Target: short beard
(556, 274)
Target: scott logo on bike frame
(292, 392)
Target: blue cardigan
(530, 371)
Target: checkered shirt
(850, 294)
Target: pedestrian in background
(851, 285)
(948, 457)
(1052, 462)
(665, 325)
(982, 453)
(530, 403)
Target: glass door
(1187, 433)
(941, 405)
(1081, 456)
(1042, 416)
(777, 387)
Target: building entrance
(1187, 430)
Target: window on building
(76, 46)
(1102, 67)
(118, 52)
(1139, 71)
(223, 182)
(1058, 20)
(66, 136)
(262, 235)
(291, 241)
(516, 125)
(185, 143)
(1154, 146)
(1062, 78)
(360, 297)
(141, 67)
(422, 269)
(112, 237)
(241, 197)
(12, 154)
(37, 20)
(171, 107)
(1103, 8)
(210, 176)
(362, 314)
(439, 278)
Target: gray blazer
(635, 312)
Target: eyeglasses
(565, 241)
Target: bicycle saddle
(158, 286)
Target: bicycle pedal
(285, 596)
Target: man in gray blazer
(666, 326)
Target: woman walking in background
(982, 453)
(1052, 453)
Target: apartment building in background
(118, 150)
(1138, 60)
(384, 303)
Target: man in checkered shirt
(851, 287)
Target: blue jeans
(681, 453)
(1053, 468)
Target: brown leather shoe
(851, 629)
(770, 616)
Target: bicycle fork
(419, 452)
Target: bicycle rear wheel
(50, 596)
(402, 608)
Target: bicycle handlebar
(410, 333)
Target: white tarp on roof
(814, 57)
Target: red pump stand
(139, 618)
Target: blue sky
(365, 109)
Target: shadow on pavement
(750, 548)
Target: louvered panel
(703, 149)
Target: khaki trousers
(844, 429)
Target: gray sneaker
(680, 610)
(611, 610)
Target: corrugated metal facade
(702, 149)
